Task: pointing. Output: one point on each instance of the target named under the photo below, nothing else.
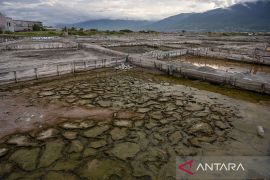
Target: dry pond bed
(121, 125)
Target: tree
(126, 31)
(37, 27)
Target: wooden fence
(15, 75)
(240, 81)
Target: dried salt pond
(226, 65)
(149, 122)
(139, 49)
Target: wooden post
(73, 67)
(57, 69)
(15, 76)
(36, 73)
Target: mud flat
(138, 49)
(121, 125)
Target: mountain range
(249, 16)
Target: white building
(8, 24)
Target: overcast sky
(63, 11)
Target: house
(21, 25)
(8, 24)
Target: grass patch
(37, 33)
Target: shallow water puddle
(226, 65)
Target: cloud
(61, 11)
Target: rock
(118, 133)
(151, 125)
(60, 176)
(194, 107)
(185, 151)
(140, 137)
(260, 131)
(89, 96)
(46, 93)
(76, 146)
(143, 110)
(196, 142)
(70, 135)
(140, 170)
(179, 103)
(89, 152)
(123, 67)
(168, 120)
(77, 125)
(117, 104)
(170, 107)
(158, 137)
(164, 121)
(3, 151)
(65, 165)
(98, 144)
(201, 114)
(125, 115)
(176, 137)
(104, 103)
(69, 125)
(51, 153)
(167, 171)
(139, 123)
(25, 158)
(104, 169)
(164, 99)
(221, 125)
(123, 123)
(20, 140)
(48, 89)
(5, 168)
(152, 154)
(208, 139)
(125, 150)
(189, 121)
(87, 124)
(64, 92)
(156, 115)
(49, 133)
(84, 102)
(166, 84)
(70, 100)
(167, 129)
(96, 131)
(215, 117)
(201, 128)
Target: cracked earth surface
(120, 126)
